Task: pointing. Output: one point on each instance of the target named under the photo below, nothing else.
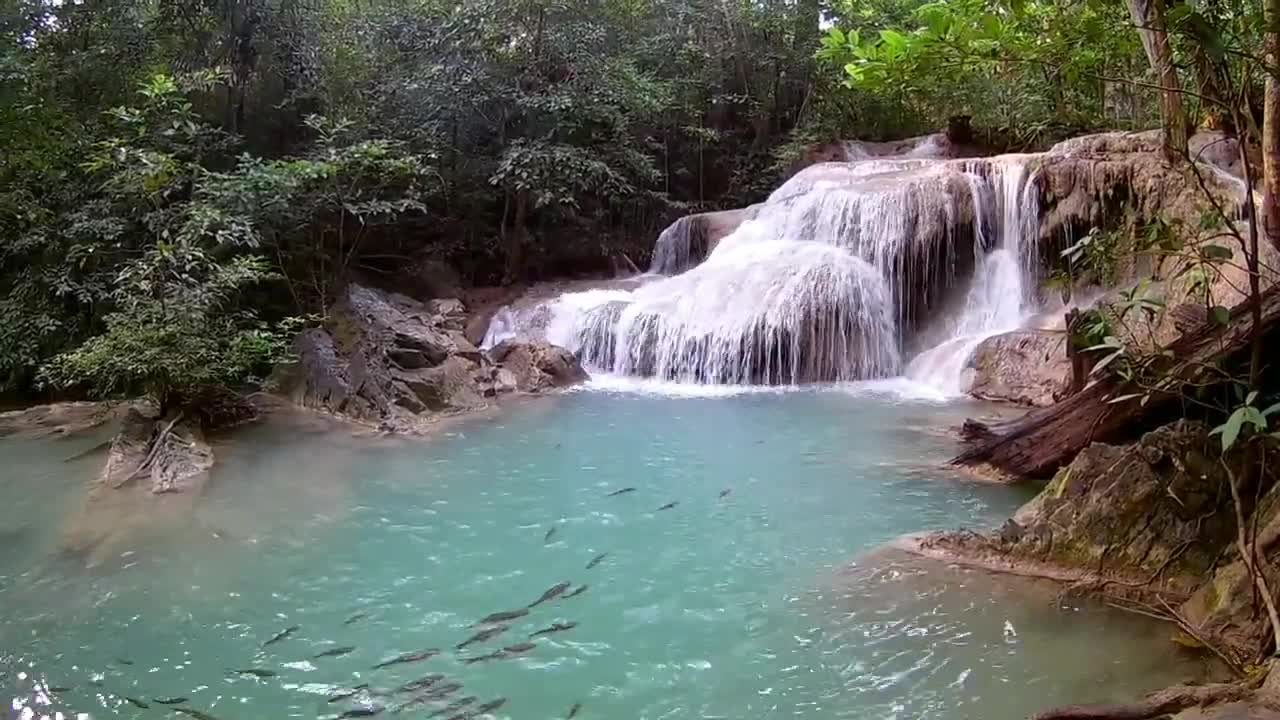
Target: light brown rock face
(388, 359)
(539, 365)
(1153, 520)
(1027, 367)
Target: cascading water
(1000, 295)
(828, 280)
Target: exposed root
(1165, 702)
(156, 445)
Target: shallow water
(741, 606)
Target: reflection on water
(733, 606)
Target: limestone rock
(1027, 367)
(390, 360)
(448, 386)
(538, 365)
(1154, 510)
(450, 313)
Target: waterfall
(843, 268)
(673, 253)
(1000, 297)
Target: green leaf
(894, 40)
(1220, 315)
(1254, 417)
(1215, 252)
(1271, 410)
(1230, 430)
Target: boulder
(445, 387)
(1027, 367)
(538, 365)
(387, 359)
(1154, 511)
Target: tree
(1149, 18)
(1271, 124)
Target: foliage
(154, 283)
(1026, 66)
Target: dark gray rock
(450, 385)
(387, 359)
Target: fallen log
(1044, 440)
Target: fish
(58, 689)
(482, 636)
(503, 616)
(518, 648)
(169, 701)
(495, 655)
(442, 690)
(281, 635)
(581, 589)
(122, 661)
(345, 694)
(335, 652)
(550, 534)
(361, 712)
(597, 560)
(454, 706)
(192, 712)
(491, 706)
(555, 628)
(668, 506)
(135, 702)
(623, 491)
(552, 593)
(355, 618)
(421, 683)
(725, 492)
(256, 672)
(409, 657)
(573, 711)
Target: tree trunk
(1271, 126)
(1148, 16)
(1044, 440)
(517, 239)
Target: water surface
(741, 606)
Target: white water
(1000, 296)
(844, 267)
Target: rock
(1027, 367)
(448, 386)
(392, 361)
(538, 365)
(66, 418)
(1155, 511)
(690, 239)
(464, 348)
(1223, 607)
(450, 313)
